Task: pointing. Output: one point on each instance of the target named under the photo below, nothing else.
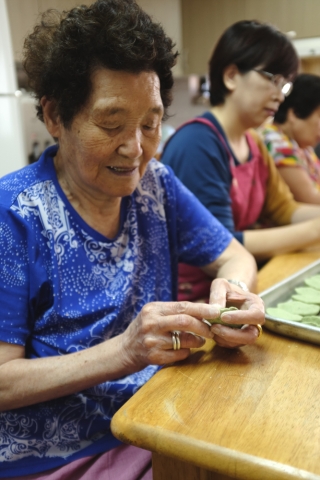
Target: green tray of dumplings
(281, 293)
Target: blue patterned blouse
(65, 287)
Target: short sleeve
(14, 279)
(201, 237)
(285, 153)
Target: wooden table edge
(203, 454)
(231, 463)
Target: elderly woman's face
(113, 138)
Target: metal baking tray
(281, 292)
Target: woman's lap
(125, 462)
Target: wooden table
(251, 413)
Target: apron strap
(204, 121)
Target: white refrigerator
(12, 144)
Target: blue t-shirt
(201, 162)
(65, 287)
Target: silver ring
(176, 345)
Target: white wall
(12, 148)
(23, 15)
(168, 13)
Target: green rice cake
(313, 282)
(300, 308)
(311, 320)
(218, 320)
(283, 314)
(306, 298)
(308, 291)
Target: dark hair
(65, 48)
(303, 99)
(250, 44)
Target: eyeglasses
(278, 80)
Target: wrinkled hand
(251, 312)
(148, 339)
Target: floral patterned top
(287, 153)
(65, 287)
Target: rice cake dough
(299, 308)
(283, 314)
(313, 282)
(306, 298)
(313, 320)
(218, 320)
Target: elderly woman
(292, 136)
(91, 236)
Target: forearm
(310, 197)
(268, 242)
(305, 212)
(307, 195)
(243, 268)
(300, 184)
(235, 263)
(29, 381)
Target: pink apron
(247, 193)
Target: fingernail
(206, 322)
(226, 318)
(203, 340)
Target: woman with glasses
(226, 165)
(292, 136)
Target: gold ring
(259, 329)
(176, 345)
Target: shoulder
(195, 149)
(160, 177)
(157, 179)
(196, 132)
(311, 154)
(162, 185)
(257, 139)
(270, 133)
(278, 143)
(14, 183)
(156, 171)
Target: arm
(147, 340)
(300, 184)
(28, 381)
(204, 241)
(235, 263)
(266, 243)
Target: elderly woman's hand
(250, 313)
(148, 339)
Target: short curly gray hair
(65, 47)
